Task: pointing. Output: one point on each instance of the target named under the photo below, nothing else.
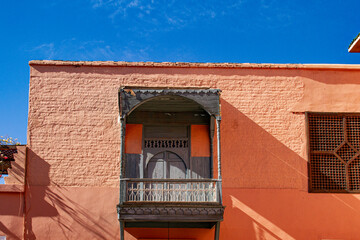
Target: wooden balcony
(171, 200)
(172, 190)
(164, 178)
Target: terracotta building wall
(11, 214)
(12, 200)
(74, 142)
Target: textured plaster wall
(74, 137)
(75, 108)
(11, 215)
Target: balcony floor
(170, 212)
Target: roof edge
(193, 65)
(355, 45)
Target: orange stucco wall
(133, 138)
(74, 142)
(172, 233)
(200, 141)
(11, 215)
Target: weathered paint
(74, 142)
(200, 141)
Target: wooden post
(218, 120)
(217, 231)
(211, 134)
(122, 236)
(218, 147)
(122, 159)
(122, 171)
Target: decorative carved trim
(170, 191)
(178, 213)
(166, 143)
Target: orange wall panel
(171, 233)
(200, 141)
(11, 215)
(54, 212)
(133, 138)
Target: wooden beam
(161, 118)
(205, 225)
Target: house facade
(120, 150)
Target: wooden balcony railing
(171, 190)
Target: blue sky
(256, 31)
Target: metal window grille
(334, 152)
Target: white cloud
(47, 50)
(100, 3)
(165, 14)
(274, 13)
(134, 3)
(73, 49)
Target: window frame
(309, 154)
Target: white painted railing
(171, 190)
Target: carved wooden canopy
(132, 97)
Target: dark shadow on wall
(253, 158)
(79, 214)
(12, 202)
(36, 205)
(265, 189)
(45, 202)
(8, 233)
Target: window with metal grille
(334, 152)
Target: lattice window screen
(334, 152)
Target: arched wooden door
(166, 165)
